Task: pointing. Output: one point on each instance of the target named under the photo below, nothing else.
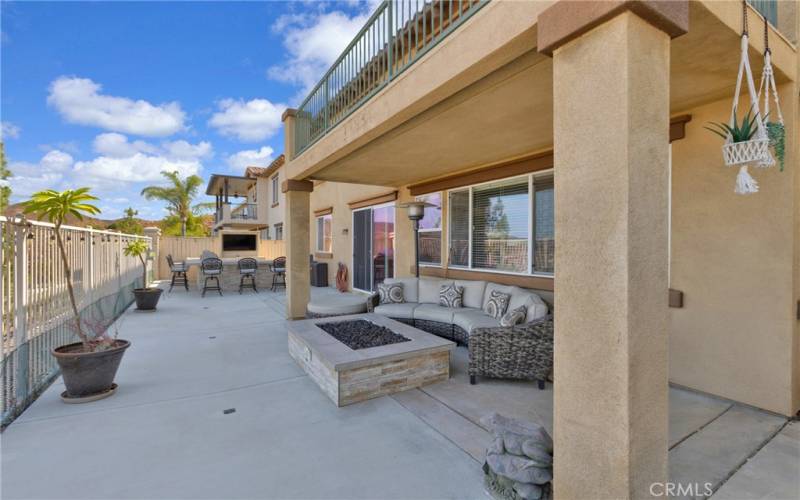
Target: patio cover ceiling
(509, 112)
(237, 186)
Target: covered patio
(610, 99)
(211, 405)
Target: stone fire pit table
(348, 375)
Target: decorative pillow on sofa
(514, 317)
(497, 304)
(451, 295)
(391, 293)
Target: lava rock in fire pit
(519, 460)
(361, 334)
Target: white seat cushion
(433, 312)
(410, 293)
(473, 292)
(534, 304)
(404, 310)
(429, 290)
(346, 303)
(537, 308)
(468, 319)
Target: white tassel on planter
(744, 183)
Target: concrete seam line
(160, 401)
(701, 427)
(748, 457)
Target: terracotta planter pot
(147, 298)
(89, 373)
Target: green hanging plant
(777, 140)
(739, 132)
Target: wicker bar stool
(247, 270)
(212, 269)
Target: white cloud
(137, 168)
(79, 101)
(56, 161)
(183, 149)
(117, 146)
(121, 160)
(250, 121)
(9, 131)
(313, 42)
(48, 173)
(250, 158)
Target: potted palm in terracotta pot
(89, 366)
(146, 297)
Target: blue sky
(108, 94)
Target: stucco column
(288, 118)
(611, 130)
(297, 234)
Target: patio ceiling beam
(611, 82)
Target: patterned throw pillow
(497, 304)
(451, 295)
(391, 293)
(514, 317)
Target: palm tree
(55, 207)
(178, 195)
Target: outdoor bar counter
(229, 279)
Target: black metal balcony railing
(246, 211)
(397, 34)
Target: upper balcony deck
(397, 34)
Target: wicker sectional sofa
(523, 351)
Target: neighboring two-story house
(251, 202)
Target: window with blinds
(500, 226)
(458, 228)
(325, 233)
(430, 230)
(544, 243)
(506, 226)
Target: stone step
(471, 438)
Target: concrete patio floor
(165, 434)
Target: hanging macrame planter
(776, 131)
(747, 142)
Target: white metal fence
(35, 303)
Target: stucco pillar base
(611, 129)
(298, 244)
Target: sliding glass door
(373, 246)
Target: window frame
(531, 178)
(275, 190)
(279, 227)
(440, 229)
(322, 219)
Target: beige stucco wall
(275, 214)
(734, 258)
(338, 195)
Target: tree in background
(178, 195)
(5, 188)
(128, 224)
(196, 225)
